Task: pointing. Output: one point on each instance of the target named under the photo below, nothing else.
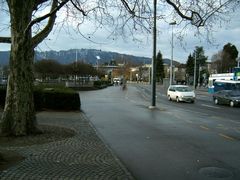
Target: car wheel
(216, 101)
(169, 98)
(192, 101)
(231, 103)
(177, 99)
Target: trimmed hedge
(56, 100)
(2, 97)
(102, 84)
(52, 99)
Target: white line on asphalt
(226, 137)
(234, 121)
(204, 127)
(210, 106)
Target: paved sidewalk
(83, 156)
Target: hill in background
(91, 56)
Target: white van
(181, 93)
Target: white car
(181, 93)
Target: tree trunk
(19, 118)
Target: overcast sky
(59, 39)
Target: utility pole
(195, 69)
(153, 82)
(171, 65)
(199, 77)
(76, 59)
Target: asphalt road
(179, 141)
(204, 103)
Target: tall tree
(19, 114)
(190, 65)
(190, 68)
(200, 62)
(229, 56)
(225, 60)
(216, 63)
(28, 29)
(48, 69)
(159, 68)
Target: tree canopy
(229, 56)
(225, 60)
(200, 59)
(159, 68)
(190, 66)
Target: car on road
(229, 97)
(181, 93)
(117, 81)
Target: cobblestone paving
(83, 156)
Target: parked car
(230, 97)
(181, 93)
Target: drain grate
(215, 172)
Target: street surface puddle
(215, 172)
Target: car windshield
(234, 93)
(183, 89)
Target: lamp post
(171, 65)
(76, 66)
(153, 82)
(195, 69)
(199, 73)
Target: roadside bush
(57, 100)
(51, 99)
(101, 84)
(2, 97)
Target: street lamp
(76, 66)
(171, 66)
(153, 81)
(199, 73)
(98, 58)
(195, 69)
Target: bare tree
(29, 26)
(216, 65)
(48, 69)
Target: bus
(225, 81)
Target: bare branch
(52, 13)
(216, 10)
(48, 28)
(125, 4)
(78, 7)
(176, 8)
(200, 12)
(38, 2)
(138, 10)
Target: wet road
(175, 141)
(204, 103)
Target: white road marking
(226, 137)
(206, 105)
(204, 127)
